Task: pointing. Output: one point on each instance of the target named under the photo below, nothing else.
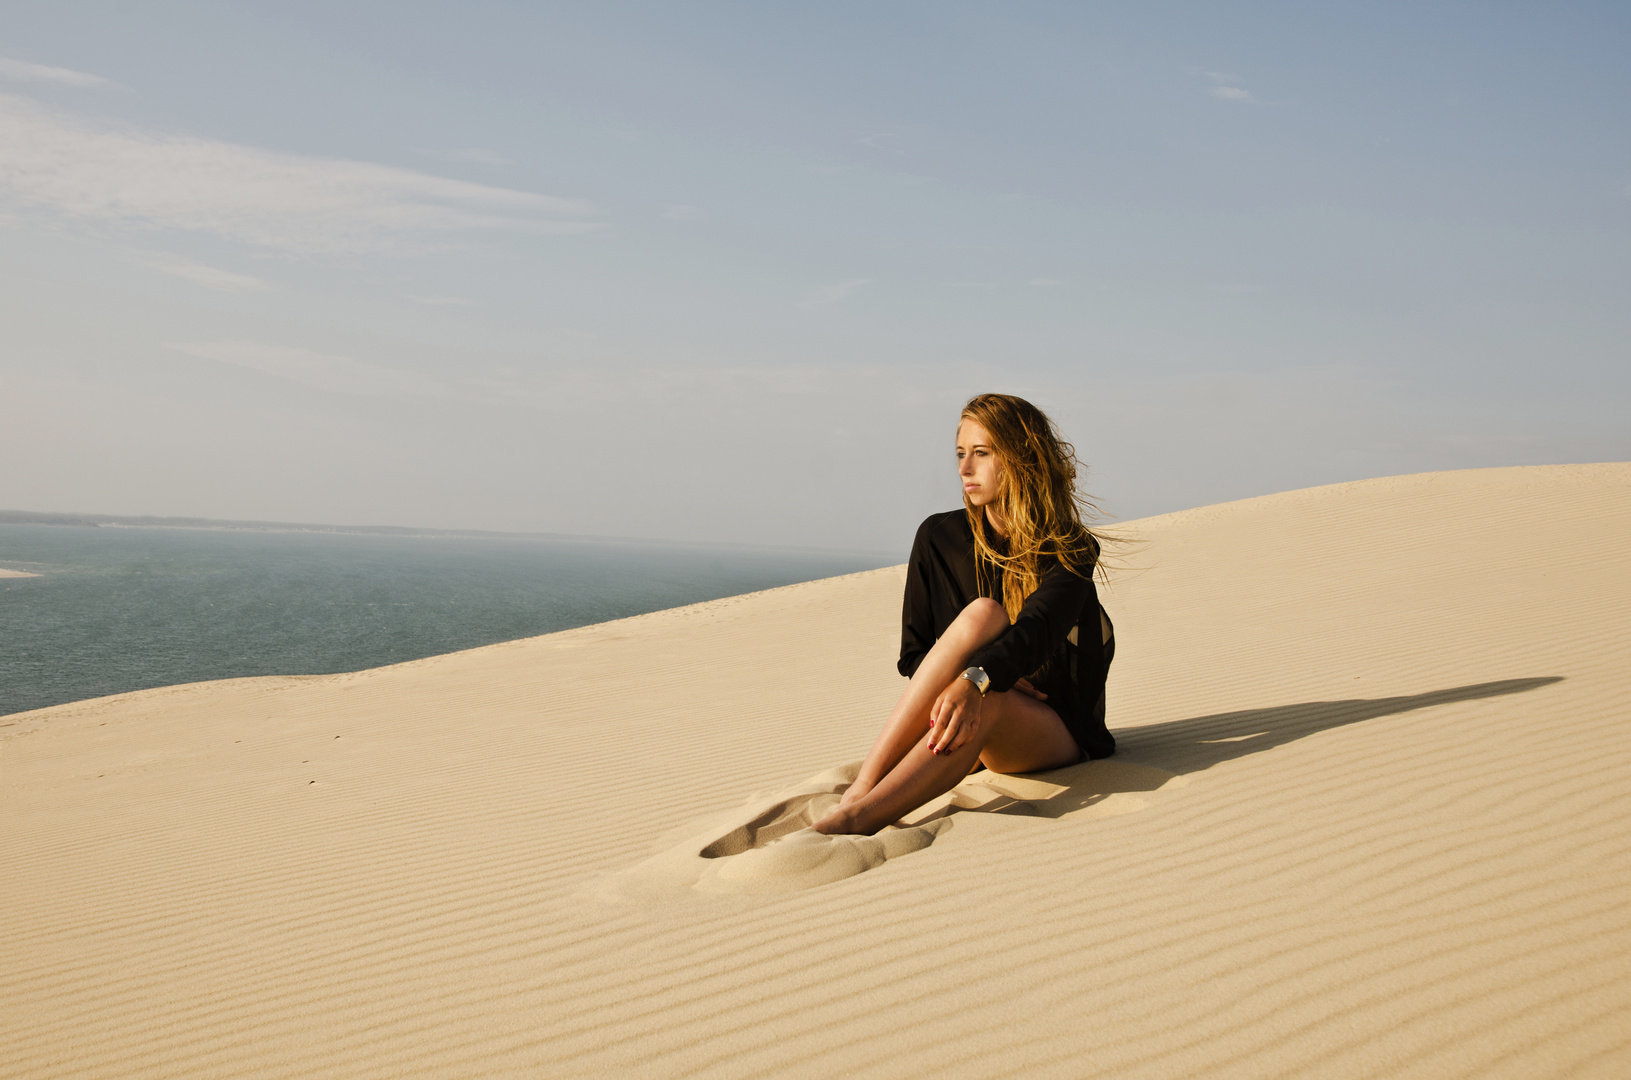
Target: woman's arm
(917, 629)
(1044, 622)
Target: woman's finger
(957, 731)
(965, 731)
(1024, 686)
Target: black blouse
(1057, 641)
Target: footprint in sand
(786, 854)
(769, 845)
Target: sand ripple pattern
(1369, 820)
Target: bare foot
(852, 795)
(842, 819)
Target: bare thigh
(1028, 737)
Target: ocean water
(118, 609)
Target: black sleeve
(917, 634)
(1044, 622)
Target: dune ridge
(1367, 819)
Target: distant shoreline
(4, 573)
(147, 521)
(150, 521)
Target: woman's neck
(994, 519)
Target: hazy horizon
(724, 273)
(92, 519)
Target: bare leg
(901, 772)
(981, 622)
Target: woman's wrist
(976, 677)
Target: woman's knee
(985, 609)
(984, 618)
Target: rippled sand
(1369, 818)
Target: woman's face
(977, 463)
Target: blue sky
(727, 271)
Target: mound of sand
(1369, 818)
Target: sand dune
(1369, 819)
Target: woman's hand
(1024, 686)
(955, 717)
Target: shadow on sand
(768, 846)
(1148, 757)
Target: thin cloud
(211, 277)
(682, 212)
(340, 374)
(470, 153)
(1048, 282)
(1224, 90)
(23, 71)
(75, 169)
(443, 301)
(832, 294)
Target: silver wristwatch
(977, 676)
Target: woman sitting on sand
(997, 628)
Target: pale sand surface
(1370, 818)
(4, 573)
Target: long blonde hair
(1036, 499)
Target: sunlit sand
(1368, 818)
